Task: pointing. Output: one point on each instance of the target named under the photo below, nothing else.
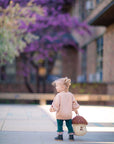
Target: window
(97, 1)
(99, 68)
(82, 9)
(32, 76)
(89, 5)
(2, 73)
(8, 73)
(84, 63)
(57, 69)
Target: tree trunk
(27, 85)
(51, 64)
(24, 58)
(37, 81)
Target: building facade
(96, 64)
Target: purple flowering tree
(52, 29)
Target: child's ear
(69, 81)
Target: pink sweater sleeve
(75, 104)
(55, 104)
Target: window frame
(84, 64)
(99, 60)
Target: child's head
(62, 84)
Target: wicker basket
(79, 125)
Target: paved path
(33, 124)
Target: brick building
(97, 63)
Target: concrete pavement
(34, 124)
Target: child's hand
(51, 109)
(76, 112)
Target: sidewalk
(33, 124)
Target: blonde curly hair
(63, 81)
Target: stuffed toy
(79, 125)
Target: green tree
(14, 37)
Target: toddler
(64, 103)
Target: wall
(108, 61)
(21, 88)
(69, 64)
(76, 88)
(91, 59)
(108, 65)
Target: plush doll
(79, 125)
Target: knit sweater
(64, 103)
